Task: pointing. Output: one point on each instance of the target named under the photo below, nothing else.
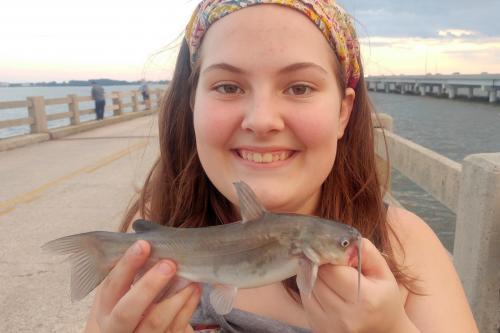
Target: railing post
(158, 93)
(117, 103)
(476, 251)
(74, 109)
(135, 100)
(36, 110)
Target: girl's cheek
(316, 128)
(214, 122)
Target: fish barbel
(261, 249)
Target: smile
(267, 157)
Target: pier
(470, 86)
(81, 179)
(124, 106)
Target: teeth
(267, 157)
(264, 158)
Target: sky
(60, 40)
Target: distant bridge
(483, 85)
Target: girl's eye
(228, 89)
(299, 90)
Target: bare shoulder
(440, 298)
(416, 237)
(418, 249)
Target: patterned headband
(330, 18)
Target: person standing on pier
(145, 93)
(99, 99)
(272, 93)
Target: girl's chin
(277, 203)
(277, 193)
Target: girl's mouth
(264, 157)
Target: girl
(271, 92)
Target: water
(453, 128)
(20, 94)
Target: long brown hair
(178, 193)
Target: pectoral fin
(306, 276)
(222, 298)
(308, 271)
(250, 206)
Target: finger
(162, 315)
(182, 319)
(129, 310)
(118, 281)
(343, 280)
(316, 312)
(373, 264)
(339, 280)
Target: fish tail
(91, 260)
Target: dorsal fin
(143, 226)
(250, 206)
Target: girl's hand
(334, 305)
(121, 307)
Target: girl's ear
(345, 111)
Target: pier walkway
(75, 184)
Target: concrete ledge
(436, 174)
(391, 200)
(23, 140)
(61, 132)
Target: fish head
(334, 242)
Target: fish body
(261, 249)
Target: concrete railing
(38, 117)
(472, 191)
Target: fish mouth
(351, 254)
(265, 156)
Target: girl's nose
(262, 116)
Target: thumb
(373, 264)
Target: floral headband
(330, 18)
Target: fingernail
(136, 248)
(165, 268)
(197, 289)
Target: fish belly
(241, 271)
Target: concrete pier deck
(76, 184)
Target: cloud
(423, 18)
(441, 54)
(456, 33)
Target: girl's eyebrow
(302, 65)
(290, 68)
(224, 66)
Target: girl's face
(268, 109)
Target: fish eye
(344, 243)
